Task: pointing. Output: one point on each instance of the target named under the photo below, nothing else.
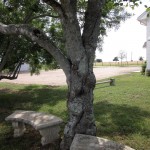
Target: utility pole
(131, 56)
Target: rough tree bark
(81, 52)
(77, 65)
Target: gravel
(57, 77)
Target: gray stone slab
(36, 119)
(87, 142)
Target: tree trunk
(80, 105)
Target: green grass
(122, 112)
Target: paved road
(57, 77)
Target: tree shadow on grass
(31, 97)
(37, 98)
(113, 119)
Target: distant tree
(141, 58)
(143, 68)
(122, 55)
(116, 59)
(99, 60)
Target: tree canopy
(141, 58)
(116, 59)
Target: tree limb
(73, 4)
(55, 5)
(41, 38)
(92, 23)
(44, 15)
(72, 32)
(5, 56)
(27, 17)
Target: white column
(148, 44)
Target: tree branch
(6, 54)
(92, 23)
(71, 31)
(73, 4)
(44, 15)
(41, 38)
(55, 5)
(27, 17)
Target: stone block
(87, 142)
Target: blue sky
(130, 38)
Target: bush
(143, 68)
(144, 71)
(147, 73)
(99, 60)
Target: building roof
(143, 18)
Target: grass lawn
(122, 112)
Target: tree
(77, 56)
(122, 55)
(141, 58)
(99, 60)
(116, 59)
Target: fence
(124, 63)
(111, 82)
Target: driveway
(57, 77)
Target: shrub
(116, 59)
(147, 73)
(99, 60)
(143, 68)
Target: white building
(144, 19)
(25, 68)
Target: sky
(130, 38)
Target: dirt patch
(57, 77)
